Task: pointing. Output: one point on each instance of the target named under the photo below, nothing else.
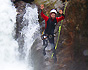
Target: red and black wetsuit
(50, 23)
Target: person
(50, 23)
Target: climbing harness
(59, 31)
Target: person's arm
(42, 14)
(60, 18)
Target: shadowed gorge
(72, 50)
(21, 46)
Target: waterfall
(8, 45)
(31, 28)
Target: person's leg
(51, 40)
(54, 52)
(44, 39)
(46, 43)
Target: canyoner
(50, 23)
(59, 31)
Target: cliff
(72, 50)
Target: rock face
(74, 37)
(72, 50)
(37, 56)
(19, 25)
(27, 1)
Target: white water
(31, 16)
(8, 45)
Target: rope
(59, 31)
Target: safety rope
(59, 31)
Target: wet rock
(21, 11)
(85, 52)
(20, 8)
(73, 39)
(37, 55)
(27, 1)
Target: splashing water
(8, 45)
(31, 16)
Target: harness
(44, 36)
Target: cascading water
(8, 45)
(30, 29)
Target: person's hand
(60, 11)
(42, 6)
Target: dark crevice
(27, 1)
